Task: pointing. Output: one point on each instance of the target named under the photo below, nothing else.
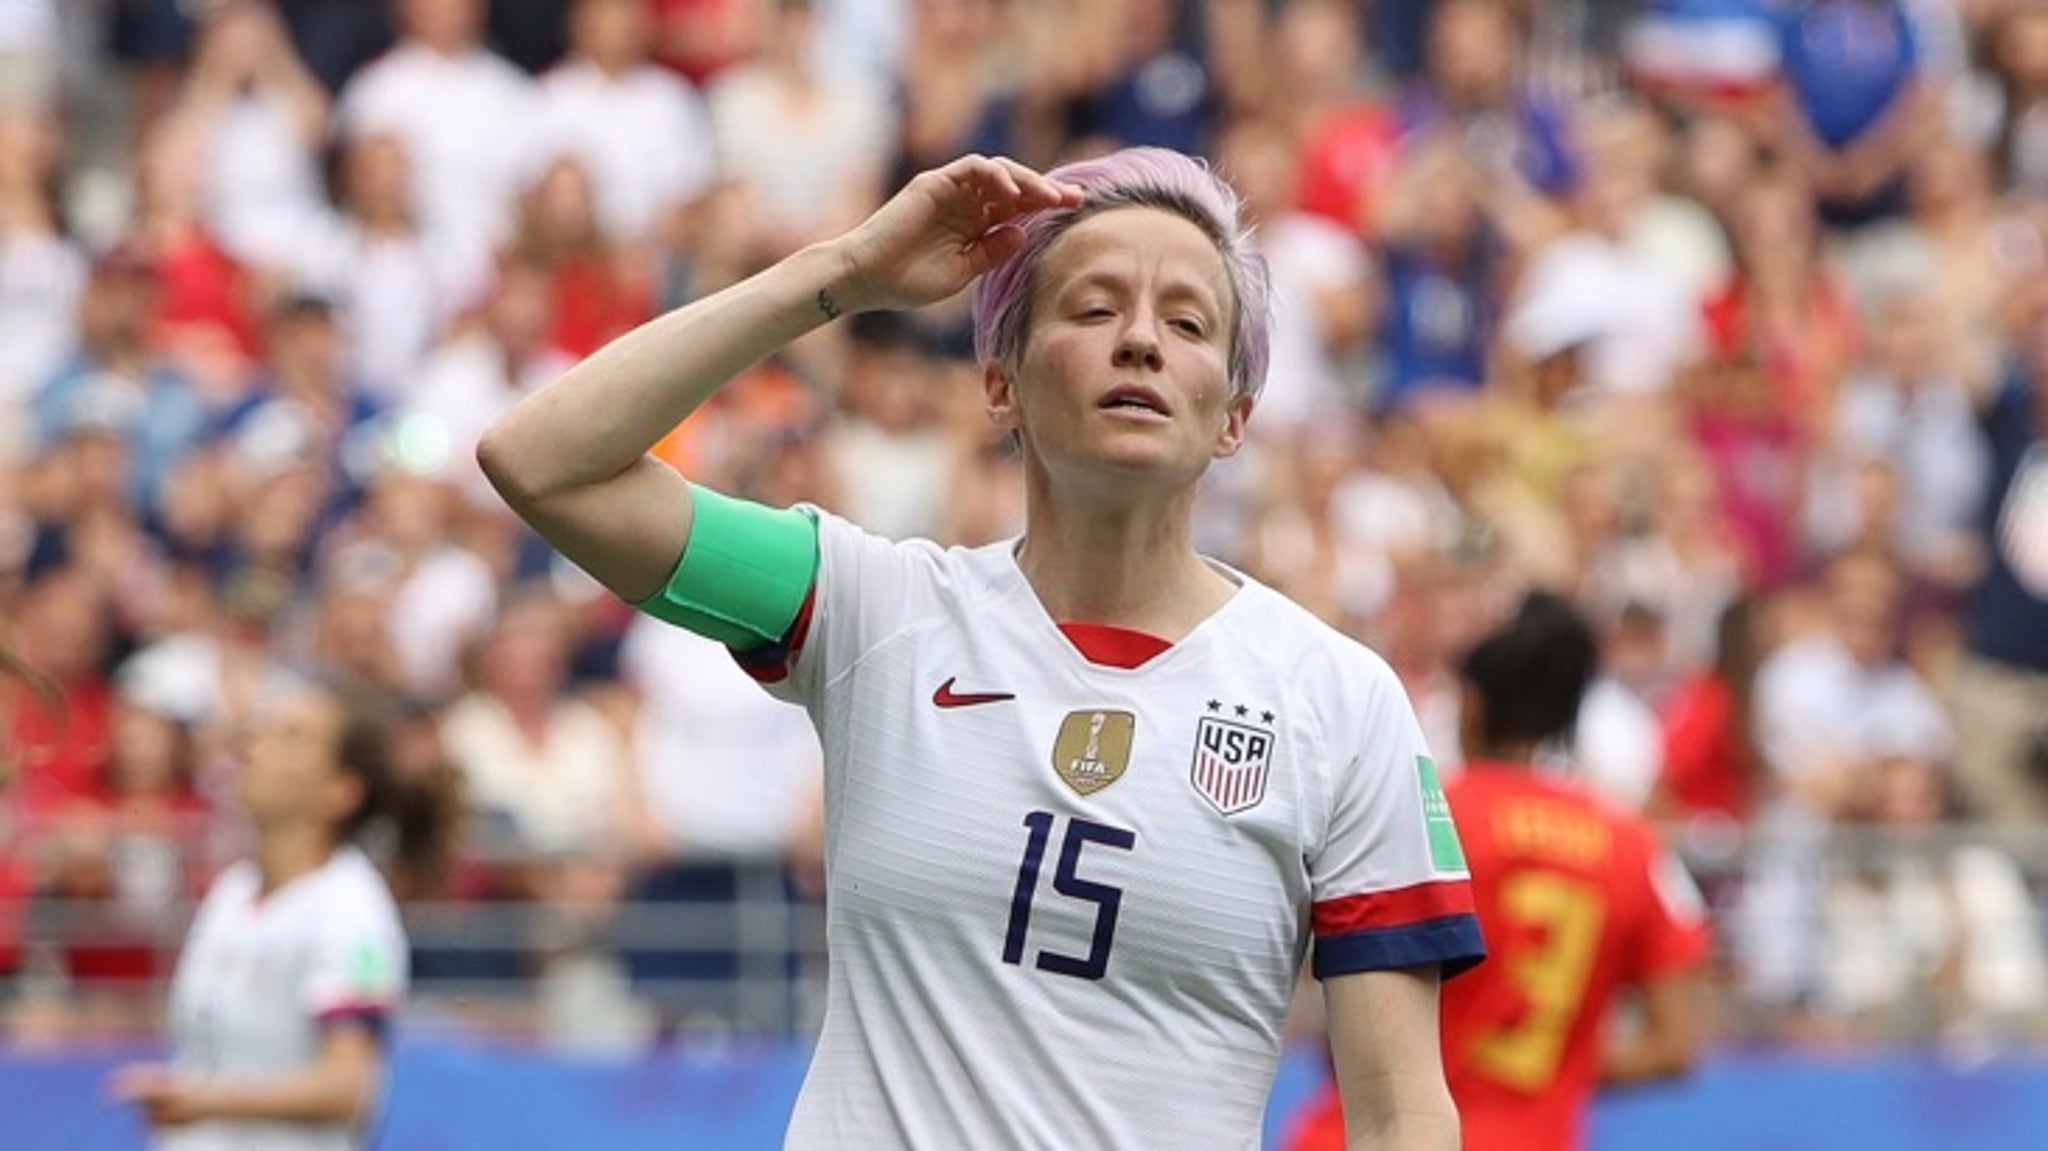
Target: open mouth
(1134, 399)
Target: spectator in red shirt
(597, 294)
(1711, 767)
(205, 319)
(61, 740)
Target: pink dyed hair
(1135, 178)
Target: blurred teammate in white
(1090, 797)
(296, 960)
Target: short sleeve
(868, 589)
(1388, 880)
(358, 968)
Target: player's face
(1127, 362)
(291, 768)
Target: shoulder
(387, 68)
(1297, 643)
(352, 884)
(237, 881)
(738, 87)
(499, 71)
(1350, 693)
(659, 83)
(841, 540)
(567, 80)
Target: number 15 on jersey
(1067, 881)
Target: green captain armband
(744, 574)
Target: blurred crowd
(1728, 318)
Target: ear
(1001, 393)
(1231, 437)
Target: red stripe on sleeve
(772, 664)
(1374, 910)
(353, 1009)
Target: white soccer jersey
(261, 975)
(1068, 901)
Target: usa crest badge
(1093, 748)
(1232, 761)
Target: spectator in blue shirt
(1472, 86)
(1442, 263)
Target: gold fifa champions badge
(1093, 748)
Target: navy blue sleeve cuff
(1453, 943)
(373, 1019)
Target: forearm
(321, 1094)
(597, 421)
(1421, 1125)
(1643, 1059)
(1664, 1042)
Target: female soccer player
(1089, 795)
(296, 958)
(1580, 901)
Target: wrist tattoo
(827, 304)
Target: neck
(285, 853)
(1131, 565)
(446, 49)
(1513, 752)
(22, 209)
(610, 67)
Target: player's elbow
(513, 472)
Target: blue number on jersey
(1068, 882)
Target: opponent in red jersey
(1579, 902)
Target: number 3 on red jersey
(1565, 915)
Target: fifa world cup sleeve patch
(744, 575)
(1445, 852)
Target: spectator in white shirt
(28, 51)
(1322, 273)
(808, 147)
(401, 547)
(466, 383)
(398, 289)
(1908, 410)
(891, 459)
(42, 275)
(467, 118)
(1831, 704)
(639, 129)
(734, 782)
(534, 753)
(263, 118)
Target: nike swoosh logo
(947, 697)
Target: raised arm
(571, 459)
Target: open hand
(945, 227)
